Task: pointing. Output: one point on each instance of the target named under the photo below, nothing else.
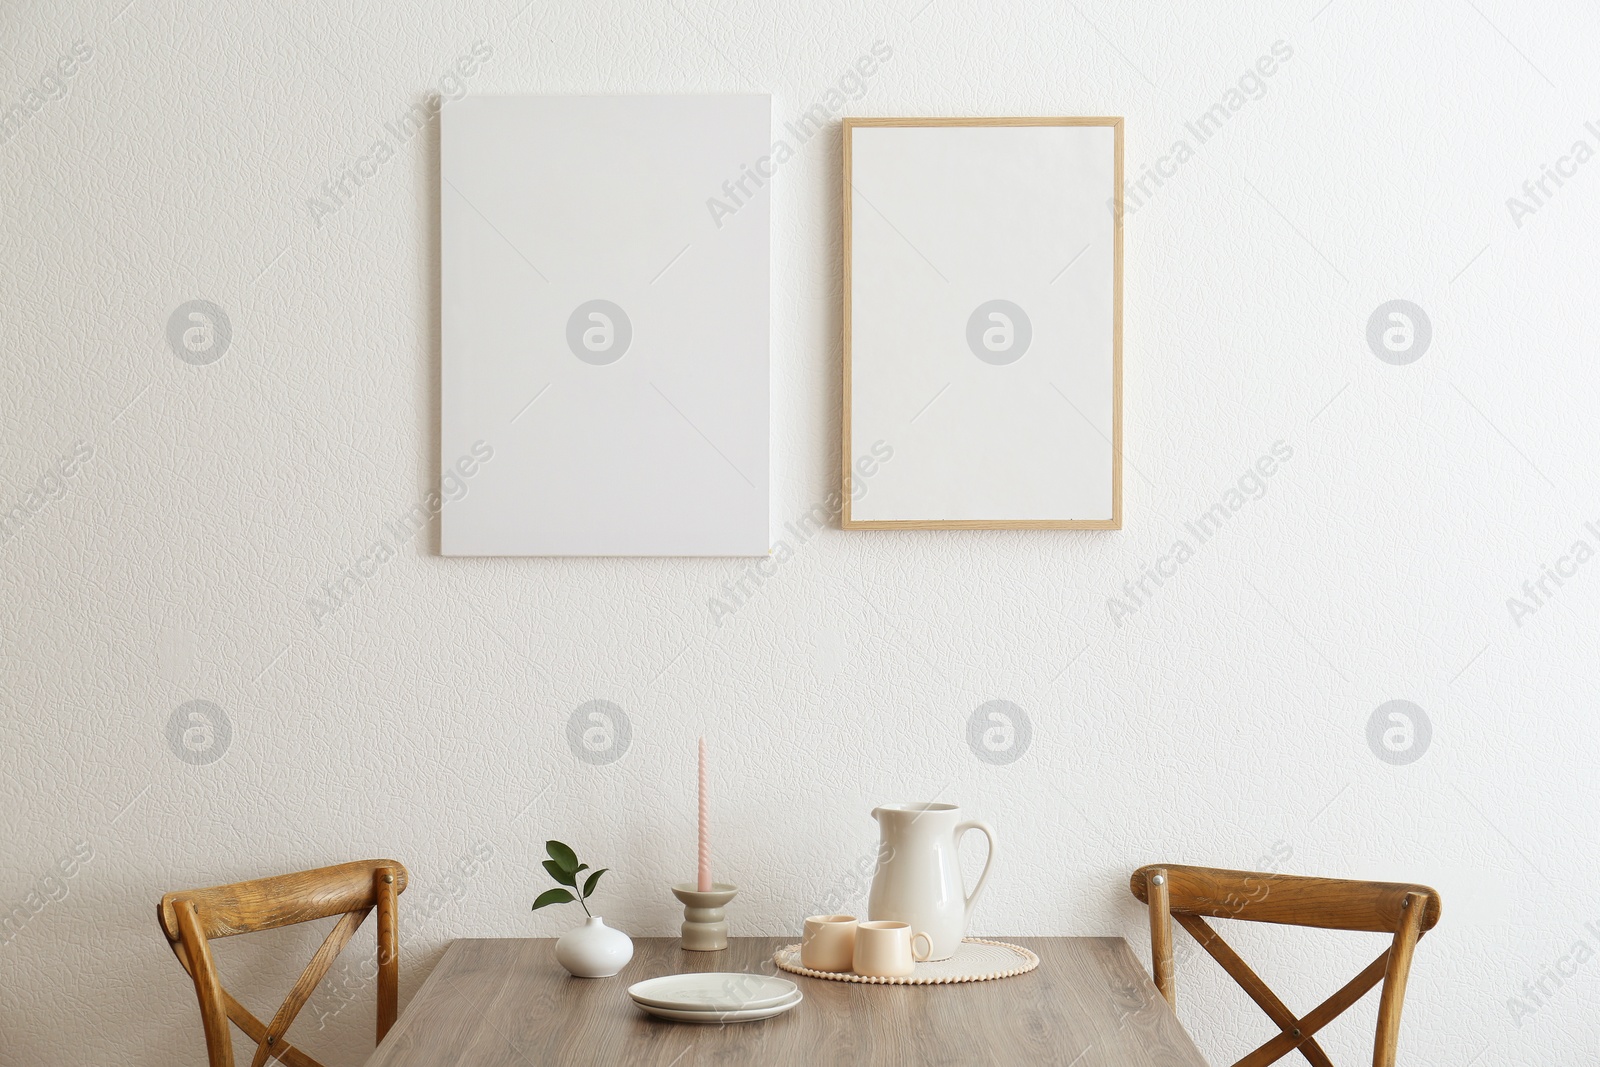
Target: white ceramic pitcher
(918, 880)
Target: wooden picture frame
(869, 502)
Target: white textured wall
(1222, 722)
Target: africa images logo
(1399, 732)
(199, 732)
(198, 332)
(999, 732)
(599, 732)
(1399, 332)
(999, 332)
(599, 332)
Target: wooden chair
(1189, 893)
(191, 918)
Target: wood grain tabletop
(507, 1003)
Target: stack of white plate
(715, 997)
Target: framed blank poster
(983, 323)
(604, 313)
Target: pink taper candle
(704, 884)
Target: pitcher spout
(914, 812)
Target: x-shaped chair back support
(1193, 894)
(192, 918)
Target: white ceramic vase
(594, 950)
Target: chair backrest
(1190, 894)
(191, 918)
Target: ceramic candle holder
(705, 928)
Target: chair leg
(207, 986)
(388, 951)
(1161, 936)
(1394, 980)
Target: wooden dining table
(506, 1002)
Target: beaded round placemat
(976, 960)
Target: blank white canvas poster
(605, 326)
(983, 323)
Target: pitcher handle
(961, 829)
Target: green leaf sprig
(564, 867)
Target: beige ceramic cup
(829, 943)
(886, 949)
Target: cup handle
(972, 897)
(926, 940)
